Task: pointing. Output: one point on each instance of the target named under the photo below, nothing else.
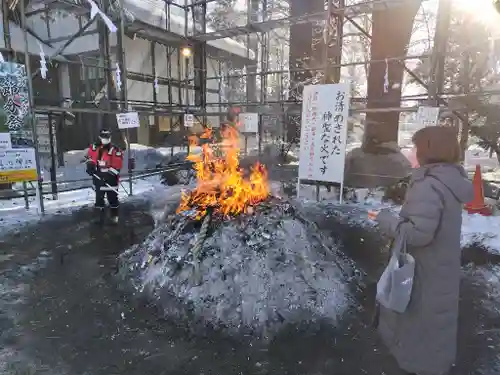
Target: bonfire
(235, 257)
(223, 188)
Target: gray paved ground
(62, 313)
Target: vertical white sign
(188, 120)
(427, 116)
(249, 122)
(323, 135)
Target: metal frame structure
(258, 30)
(261, 29)
(259, 26)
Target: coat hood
(452, 176)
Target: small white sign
(128, 120)
(323, 135)
(249, 122)
(188, 120)
(17, 159)
(5, 141)
(427, 116)
(43, 135)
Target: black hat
(105, 133)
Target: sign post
(323, 134)
(249, 124)
(427, 116)
(188, 120)
(127, 120)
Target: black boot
(114, 215)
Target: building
(161, 84)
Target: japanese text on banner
(324, 132)
(17, 165)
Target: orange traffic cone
(477, 206)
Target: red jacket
(106, 158)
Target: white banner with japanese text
(323, 135)
(128, 120)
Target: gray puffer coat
(423, 338)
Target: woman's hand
(372, 215)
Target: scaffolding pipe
(31, 111)
(124, 89)
(61, 49)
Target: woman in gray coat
(423, 338)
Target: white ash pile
(254, 272)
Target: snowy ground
(14, 215)
(476, 229)
(62, 313)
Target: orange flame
(222, 186)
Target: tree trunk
(391, 33)
(301, 56)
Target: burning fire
(222, 186)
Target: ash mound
(253, 273)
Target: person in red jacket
(104, 162)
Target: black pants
(112, 197)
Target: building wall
(58, 28)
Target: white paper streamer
(386, 77)
(94, 11)
(118, 77)
(43, 63)
(492, 57)
(1, 58)
(156, 86)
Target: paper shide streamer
(43, 63)
(156, 86)
(492, 54)
(118, 77)
(386, 77)
(94, 11)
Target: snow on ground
(476, 229)
(13, 213)
(484, 230)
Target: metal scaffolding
(264, 27)
(237, 57)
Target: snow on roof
(17, 41)
(152, 12)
